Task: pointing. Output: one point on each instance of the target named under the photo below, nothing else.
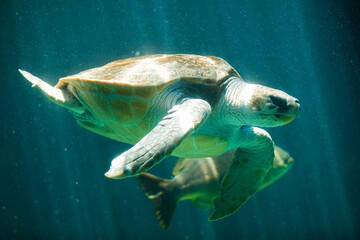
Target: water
(51, 181)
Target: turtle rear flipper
(182, 120)
(249, 167)
(163, 197)
(60, 96)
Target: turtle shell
(158, 70)
(118, 96)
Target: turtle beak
(288, 108)
(294, 108)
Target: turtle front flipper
(181, 120)
(251, 163)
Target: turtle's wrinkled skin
(181, 105)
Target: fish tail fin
(158, 191)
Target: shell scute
(105, 89)
(144, 124)
(145, 92)
(121, 111)
(126, 91)
(137, 132)
(100, 106)
(140, 108)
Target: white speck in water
(65, 149)
(137, 53)
(13, 131)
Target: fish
(198, 180)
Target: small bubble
(65, 149)
(76, 182)
(137, 53)
(13, 131)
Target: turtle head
(271, 107)
(256, 105)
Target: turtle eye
(278, 101)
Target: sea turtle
(182, 105)
(198, 180)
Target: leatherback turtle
(182, 105)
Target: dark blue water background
(51, 170)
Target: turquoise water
(51, 170)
